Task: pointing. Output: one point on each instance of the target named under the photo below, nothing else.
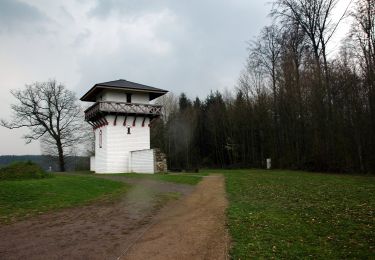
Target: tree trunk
(61, 156)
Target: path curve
(97, 231)
(194, 228)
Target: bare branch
(48, 108)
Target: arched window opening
(100, 139)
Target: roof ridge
(125, 85)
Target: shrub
(22, 170)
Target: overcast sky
(183, 46)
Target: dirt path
(192, 229)
(131, 228)
(97, 231)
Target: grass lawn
(180, 178)
(290, 215)
(190, 179)
(23, 198)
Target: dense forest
(298, 100)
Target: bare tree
(265, 52)
(85, 146)
(52, 114)
(363, 36)
(169, 103)
(315, 19)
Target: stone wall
(160, 161)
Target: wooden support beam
(124, 124)
(102, 122)
(135, 118)
(114, 122)
(143, 122)
(97, 125)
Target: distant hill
(73, 163)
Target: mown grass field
(23, 198)
(293, 215)
(180, 178)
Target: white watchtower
(121, 118)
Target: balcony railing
(108, 107)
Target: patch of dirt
(97, 231)
(194, 228)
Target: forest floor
(146, 222)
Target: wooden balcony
(121, 108)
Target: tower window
(100, 139)
(128, 98)
(128, 131)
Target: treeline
(47, 162)
(293, 103)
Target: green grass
(293, 215)
(22, 171)
(190, 179)
(24, 198)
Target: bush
(22, 170)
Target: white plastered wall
(114, 155)
(92, 163)
(120, 96)
(142, 161)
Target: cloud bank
(183, 46)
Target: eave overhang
(92, 94)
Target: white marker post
(268, 160)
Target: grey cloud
(66, 14)
(81, 38)
(192, 46)
(16, 16)
(105, 8)
(208, 40)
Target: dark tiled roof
(125, 85)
